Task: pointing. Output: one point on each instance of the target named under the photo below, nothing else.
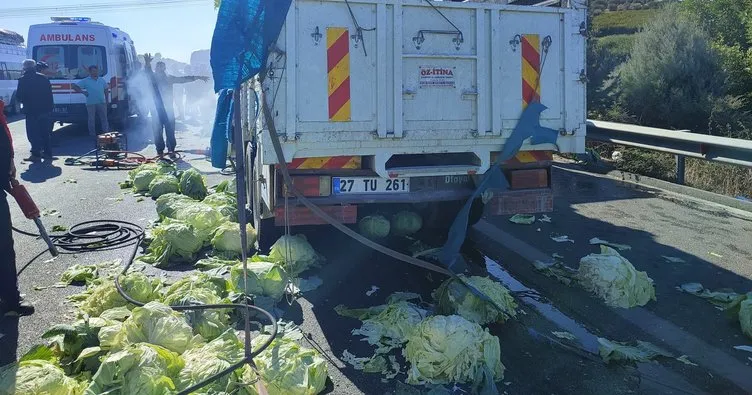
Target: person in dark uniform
(10, 298)
(35, 93)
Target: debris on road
(715, 255)
(685, 360)
(557, 255)
(522, 219)
(545, 218)
(743, 348)
(613, 278)
(639, 351)
(672, 259)
(173, 241)
(564, 335)
(556, 270)
(620, 247)
(50, 212)
(70, 181)
(561, 239)
(59, 228)
(742, 307)
(296, 254)
(78, 273)
(721, 297)
(372, 290)
(454, 297)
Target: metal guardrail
(680, 143)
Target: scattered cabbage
(78, 273)
(374, 227)
(453, 297)
(138, 369)
(640, 352)
(745, 316)
(210, 359)
(225, 203)
(169, 203)
(37, 377)
(295, 253)
(286, 368)
(101, 294)
(213, 262)
(204, 219)
(227, 186)
(142, 180)
(70, 341)
(613, 278)
(162, 185)
(227, 238)
(522, 219)
(157, 324)
(192, 184)
(386, 326)
(173, 241)
(160, 167)
(264, 278)
(451, 349)
(406, 223)
(201, 289)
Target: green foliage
(623, 22)
(673, 75)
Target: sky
(175, 30)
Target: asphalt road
(586, 206)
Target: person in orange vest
(12, 304)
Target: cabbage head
(387, 326)
(173, 241)
(201, 289)
(160, 167)
(451, 349)
(227, 186)
(453, 297)
(264, 278)
(204, 219)
(138, 369)
(37, 377)
(169, 203)
(78, 273)
(742, 306)
(613, 278)
(192, 184)
(227, 238)
(142, 180)
(225, 203)
(210, 359)
(287, 368)
(162, 185)
(157, 324)
(295, 253)
(374, 227)
(405, 223)
(101, 294)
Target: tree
(673, 77)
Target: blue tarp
(244, 32)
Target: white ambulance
(69, 46)
(12, 55)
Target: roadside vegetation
(676, 66)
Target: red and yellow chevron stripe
(524, 157)
(530, 69)
(326, 162)
(338, 68)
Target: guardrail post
(680, 169)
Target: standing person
(35, 93)
(9, 295)
(95, 90)
(164, 103)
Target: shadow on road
(40, 172)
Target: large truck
(12, 55)
(69, 45)
(409, 102)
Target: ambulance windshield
(71, 61)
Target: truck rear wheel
(441, 215)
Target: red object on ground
(4, 123)
(27, 205)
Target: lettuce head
(173, 241)
(37, 377)
(142, 180)
(210, 359)
(263, 278)
(451, 349)
(612, 278)
(192, 184)
(374, 227)
(287, 368)
(453, 297)
(137, 369)
(390, 325)
(227, 238)
(101, 294)
(163, 184)
(226, 203)
(295, 253)
(201, 289)
(406, 223)
(157, 324)
(169, 203)
(160, 167)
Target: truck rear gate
(430, 94)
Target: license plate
(354, 185)
(60, 110)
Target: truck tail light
(529, 179)
(310, 186)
